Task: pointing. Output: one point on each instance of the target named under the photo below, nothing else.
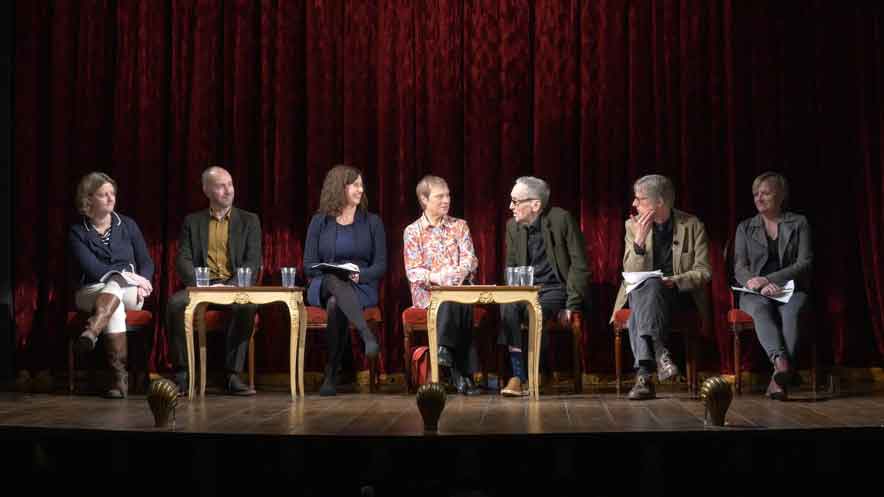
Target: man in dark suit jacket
(549, 240)
(222, 238)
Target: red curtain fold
(587, 94)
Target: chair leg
(813, 364)
(406, 332)
(618, 359)
(578, 367)
(71, 367)
(252, 361)
(738, 378)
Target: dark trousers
(552, 300)
(652, 305)
(342, 306)
(239, 330)
(776, 324)
(454, 331)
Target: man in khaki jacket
(661, 238)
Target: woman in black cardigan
(343, 231)
(114, 268)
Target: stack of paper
(784, 296)
(633, 280)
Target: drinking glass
(511, 277)
(243, 276)
(202, 276)
(288, 277)
(527, 276)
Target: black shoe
(328, 388)
(181, 380)
(643, 389)
(445, 360)
(235, 386)
(466, 386)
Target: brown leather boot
(105, 305)
(117, 355)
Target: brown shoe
(117, 357)
(782, 372)
(775, 391)
(514, 388)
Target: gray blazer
(796, 254)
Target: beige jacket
(690, 260)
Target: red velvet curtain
(586, 94)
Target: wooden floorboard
(398, 415)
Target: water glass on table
(288, 277)
(526, 276)
(202, 276)
(511, 277)
(243, 277)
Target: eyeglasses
(516, 202)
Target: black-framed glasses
(517, 201)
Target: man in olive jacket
(549, 240)
(661, 238)
(222, 238)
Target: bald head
(218, 187)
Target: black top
(543, 272)
(663, 247)
(773, 257)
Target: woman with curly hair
(343, 231)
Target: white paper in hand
(784, 296)
(634, 279)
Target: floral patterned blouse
(430, 249)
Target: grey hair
(537, 187)
(657, 186)
(210, 171)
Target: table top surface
(485, 288)
(240, 289)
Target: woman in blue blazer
(771, 249)
(343, 231)
(114, 268)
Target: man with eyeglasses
(659, 237)
(549, 240)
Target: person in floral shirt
(439, 251)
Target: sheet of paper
(634, 279)
(347, 266)
(784, 297)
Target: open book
(784, 296)
(126, 275)
(636, 278)
(345, 269)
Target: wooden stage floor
(486, 445)
(397, 415)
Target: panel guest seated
(662, 238)
(770, 249)
(439, 251)
(549, 240)
(343, 231)
(114, 268)
(222, 238)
